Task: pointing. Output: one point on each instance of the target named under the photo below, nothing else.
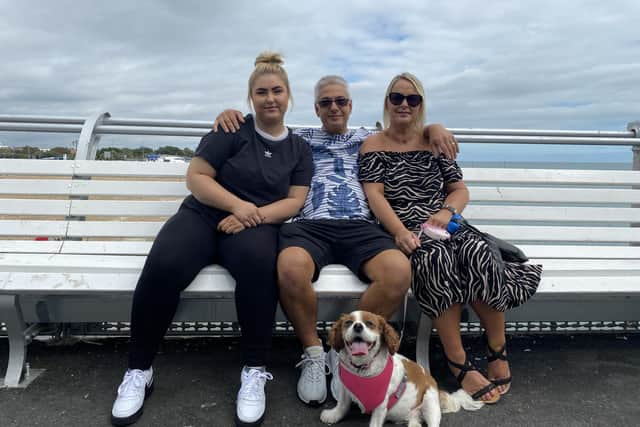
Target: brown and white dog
(382, 382)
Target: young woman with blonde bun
(243, 186)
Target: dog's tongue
(359, 348)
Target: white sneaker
(312, 385)
(136, 386)
(336, 385)
(251, 401)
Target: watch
(451, 209)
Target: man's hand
(407, 241)
(248, 214)
(443, 141)
(229, 121)
(230, 225)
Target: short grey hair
(331, 80)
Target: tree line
(107, 153)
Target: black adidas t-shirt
(253, 168)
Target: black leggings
(186, 244)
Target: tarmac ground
(559, 380)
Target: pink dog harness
(370, 391)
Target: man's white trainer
(251, 402)
(136, 386)
(312, 385)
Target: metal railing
(92, 128)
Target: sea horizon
(471, 154)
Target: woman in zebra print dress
(406, 184)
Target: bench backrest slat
(553, 195)
(35, 228)
(157, 208)
(99, 168)
(120, 203)
(564, 234)
(556, 176)
(569, 214)
(129, 188)
(28, 207)
(128, 208)
(29, 167)
(35, 187)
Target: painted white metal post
(88, 140)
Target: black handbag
(500, 249)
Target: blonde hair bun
(270, 58)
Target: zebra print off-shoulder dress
(461, 269)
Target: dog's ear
(389, 335)
(335, 334)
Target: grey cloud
(484, 64)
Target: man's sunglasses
(413, 100)
(340, 101)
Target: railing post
(88, 140)
(635, 128)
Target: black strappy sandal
(468, 366)
(498, 355)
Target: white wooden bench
(74, 235)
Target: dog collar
(371, 391)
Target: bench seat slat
(219, 283)
(122, 247)
(110, 263)
(515, 233)
(533, 251)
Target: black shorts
(337, 241)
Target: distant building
(166, 159)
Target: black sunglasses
(397, 98)
(340, 101)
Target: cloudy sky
(503, 64)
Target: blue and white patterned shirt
(335, 190)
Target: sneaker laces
(134, 380)
(253, 382)
(314, 368)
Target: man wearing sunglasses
(336, 226)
